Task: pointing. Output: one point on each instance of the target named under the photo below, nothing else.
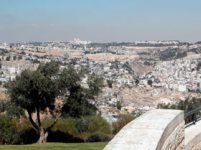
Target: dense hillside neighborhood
(137, 75)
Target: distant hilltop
(77, 41)
(157, 42)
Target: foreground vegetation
(186, 105)
(55, 146)
(66, 130)
(52, 105)
(36, 91)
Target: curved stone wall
(155, 130)
(193, 137)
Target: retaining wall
(155, 130)
(193, 137)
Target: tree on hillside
(137, 82)
(8, 58)
(35, 91)
(150, 82)
(94, 82)
(109, 83)
(77, 98)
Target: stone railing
(158, 130)
(193, 137)
(155, 130)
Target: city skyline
(99, 21)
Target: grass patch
(56, 146)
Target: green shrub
(109, 83)
(59, 136)
(118, 105)
(12, 131)
(7, 130)
(186, 105)
(2, 106)
(99, 137)
(98, 124)
(121, 122)
(82, 125)
(27, 135)
(11, 109)
(65, 125)
(78, 129)
(20, 131)
(95, 124)
(150, 82)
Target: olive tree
(35, 91)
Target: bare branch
(55, 121)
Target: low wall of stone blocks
(155, 130)
(193, 137)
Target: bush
(63, 131)
(7, 130)
(121, 122)
(87, 126)
(20, 131)
(2, 106)
(186, 105)
(137, 82)
(118, 105)
(59, 136)
(13, 132)
(10, 109)
(109, 83)
(65, 125)
(150, 82)
(13, 111)
(82, 125)
(98, 137)
(77, 130)
(26, 133)
(98, 124)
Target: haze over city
(99, 20)
(100, 74)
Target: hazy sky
(100, 20)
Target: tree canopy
(34, 91)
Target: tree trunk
(37, 126)
(43, 136)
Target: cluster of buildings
(9, 69)
(179, 75)
(115, 71)
(182, 75)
